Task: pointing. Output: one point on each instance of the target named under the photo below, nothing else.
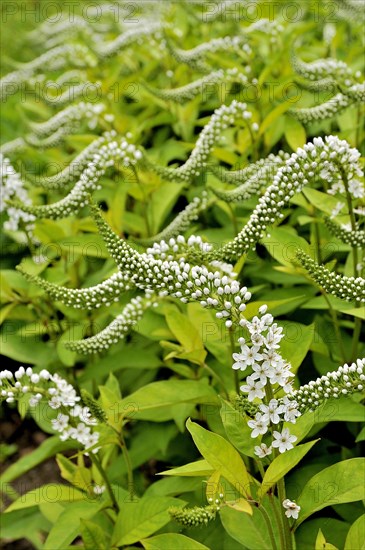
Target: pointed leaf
(222, 456)
(282, 464)
(339, 483)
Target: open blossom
(250, 356)
(259, 425)
(357, 189)
(283, 441)
(262, 450)
(272, 411)
(291, 509)
(60, 423)
(253, 388)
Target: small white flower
(262, 450)
(99, 489)
(60, 423)
(55, 402)
(357, 189)
(259, 425)
(284, 441)
(250, 355)
(254, 389)
(272, 411)
(292, 509)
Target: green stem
(355, 258)
(278, 519)
(234, 219)
(145, 202)
(331, 310)
(265, 515)
(280, 484)
(102, 472)
(218, 378)
(128, 464)
(235, 372)
(282, 497)
(336, 325)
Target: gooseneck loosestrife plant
(181, 233)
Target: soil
(27, 436)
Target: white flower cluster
(347, 379)
(71, 93)
(108, 155)
(254, 169)
(322, 68)
(143, 30)
(103, 294)
(11, 186)
(162, 270)
(259, 353)
(117, 329)
(195, 55)
(222, 117)
(346, 288)
(76, 166)
(57, 58)
(331, 155)
(345, 234)
(68, 118)
(330, 108)
(181, 222)
(74, 421)
(255, 176)
(203, 85)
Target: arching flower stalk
(76, 55)
(306, 164)
(346, 380)
(113, 151)
(222, 117)
(203, 85)
(347, 288)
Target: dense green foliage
(183, 273)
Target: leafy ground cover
(182, 284)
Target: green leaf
(222, 456)
(156, 401)
(93, 535)
(26, 523)
(140, 519)
(198, 468)
(294, 133)
(167, 541)
(339, 483)
(247, 529)
(275, 113)
(322, 544)
(237, 430)
(283, 243)
(323, 201)
(25, 349)
(282, 464)
(49, 447)
(356, 536)
(296, 342)
(52, 492)
(186, 333)
(67, 527)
